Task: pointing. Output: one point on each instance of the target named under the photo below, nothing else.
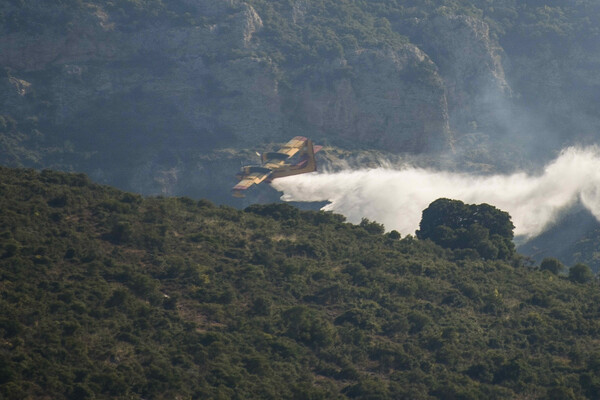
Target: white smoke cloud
(397, 198)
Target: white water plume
(397, 198)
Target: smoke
(397, 198)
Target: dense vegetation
(329, 28)
(107, 294)
(474, 227)
(64, 15)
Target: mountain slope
(572, 239)
(108, 294)
(145, 95)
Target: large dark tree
(580, 273)
(551, 264)
(480, 227)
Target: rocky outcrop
(154, 96)
(213, 78)
(91, 39)
(392, 99)
(470, 63)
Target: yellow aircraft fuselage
(275, 164)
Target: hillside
(574, 238)
(108, 294)
(158, 97)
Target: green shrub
(580, 273)
(552, 265)
(456, 225)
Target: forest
(109, 294)
(152, 288)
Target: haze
(397, 198)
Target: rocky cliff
(137, 97)
(471, 66)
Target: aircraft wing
(293, 146)
(253, 178)
(287, 151)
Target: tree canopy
(580, 273)
(106, 294)
(479, 227)
(551, 264)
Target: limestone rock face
(139, 104)
(393, 99)
(250, 23)
(470, 64)
(215, 79)
(90, 39)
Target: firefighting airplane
(278, 164)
